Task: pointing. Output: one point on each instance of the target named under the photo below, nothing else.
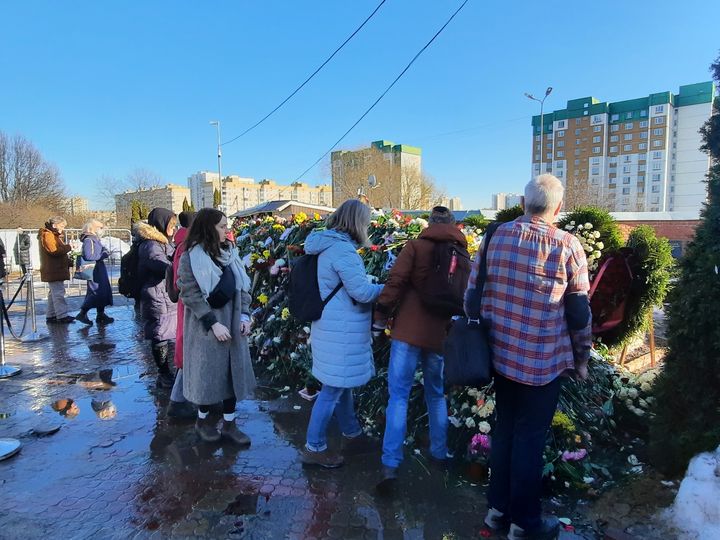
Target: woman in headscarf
(216, 358)
(158, 311)
(99, 291)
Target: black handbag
(224, 291)
(467, 351)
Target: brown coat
(413, 323)
(54, 262)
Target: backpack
(443, 290)
(129, 283)
(305, 303)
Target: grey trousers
(57, 305)
(177, 390)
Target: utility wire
(283, 102)
(385, 92)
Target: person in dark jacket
(158, 311)
(55, 269)
(418, 334)
(2, 259)
(22, 250)
(99, 291)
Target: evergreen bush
(509, 214)
(687, 393)
(602, 221)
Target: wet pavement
(117, 467)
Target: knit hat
(440, 214)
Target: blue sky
(103, 88)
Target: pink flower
(574, 456)
(480, 442)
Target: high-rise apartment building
(501, 201)
(396, 164)
(243, 193)
(170, 196)
(636, 155)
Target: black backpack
(305, 302)
(443, 290)
(129, 283)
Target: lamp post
(542, 131)
(216, 123)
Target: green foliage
(217, 198)
(509, 214)
(687, 412)
(144, 210)
(185, 205)
(476, 220)
(134, 212)
(652, 271)
(602, 221)
(192, 207)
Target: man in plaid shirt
(536, 306)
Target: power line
(283, 102)
(473, 128)
(385, 92)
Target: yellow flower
(300, 217)
(254, 257)
(562, 421)
(263, 299)
(361, 251)
(278, 227)
(266, 254)
(316, 216)
(285, 314)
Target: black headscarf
(160, 219)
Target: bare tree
(581, 192)
(26, 178)
(107, 186)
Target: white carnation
(469, 422)
(588, 225)
(483, 427)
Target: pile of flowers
(584, 432)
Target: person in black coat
(22, 250)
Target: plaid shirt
(531, 266)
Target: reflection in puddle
(66, 407)
(105, 410)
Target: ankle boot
(207, 429)
(83, 318)
(160, 354)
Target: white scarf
(207, 273)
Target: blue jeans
(524, 415)
(401, 376)
(331, 400)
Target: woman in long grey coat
(216, 358)
(341, 340)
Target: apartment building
(636, 155)
(501, 201)
(170, 196)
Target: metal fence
(117, 242)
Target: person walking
(418, 334)
(54, 269)
(341, 338)
(535, 303)
(3, 273)
(215, 291)
(99, 291)
(22, 250)
(158, 311)
(179, 407)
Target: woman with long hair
(158, 311)
(216, 357)
(99, 291)
(341, 338)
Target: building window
(629, 125)
(642, 168)
(596, 118)
(595, 161)
(578, 120)
(643, 124)
(613, 148)
(657, 155)
(577, 131)
(537, 138)
(641, 178)
(657, 144)
(660, 109)
(626, 168)
(629, 115)
(561, 124)
(658, 131)
(596, 149)
(577, 162)
(613, 160)
(597, 129)
(561, 143)
(548, 157)
(626, 159)
(657, 166)
(643, 135)
(560, 164)
(656, 177)
(628, 136)
(595, 170)
(642, 146)
(656, 189)
(614, 128)
(626, 179)
(559, 174)
(643, 113)
(627, 147)
(626, 191)
(577, 151)
(659, 120)
(537, 157)
(594, 182)
(561, 133)
(560, 153)
(577, 141)
(613, 138)
(615, 118)
(549, 137)
(596, 139)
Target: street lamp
(542, 131)
(216, 123)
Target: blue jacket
(99, 291)
(341, 340)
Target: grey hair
(352, 217)
(91, 226)
(543, 194)
(57, 220)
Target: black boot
(160, 354)
(83, 318)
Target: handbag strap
(476, 293)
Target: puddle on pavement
(243, 505)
